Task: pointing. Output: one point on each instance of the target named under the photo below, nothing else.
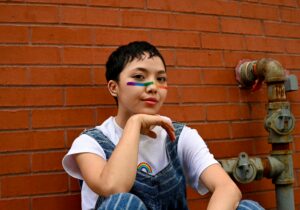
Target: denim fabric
(165, 190)
(131, 202)
(249, 205)
(122, 201)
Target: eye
(162, 79)
(138, 77)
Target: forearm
(120, 170)
(225, 198)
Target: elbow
(107, 189)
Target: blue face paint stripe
(140, 83)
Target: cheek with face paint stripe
(145, 84)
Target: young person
(139, 159)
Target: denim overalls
(165, 190)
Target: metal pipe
(279, 122)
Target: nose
(151, 88)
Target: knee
(122, 201)
(249, 204)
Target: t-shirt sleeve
(195, 157)
(82, 144)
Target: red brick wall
(52, 55)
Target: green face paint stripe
(140, 83)
(145, 84)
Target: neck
(122, 118)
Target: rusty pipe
(279, 121)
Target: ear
(113, 88)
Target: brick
(60, 76)
(262, 146)
(198, 58)
(184, 76)
(265, 198)
(184, 113)
(118, 36)
(143, 19)
(13, 76)
(50, 161)
(290, 3)
(195, 22)
(173, 95)
(296, 158)
(198, 204)
(15, 203)
(248, 129)
(281, 29)
(85, 55)
(11, 97)
(203, 94)
(223, 41)
(14, 34)
(99, 75)
(60, 202)
(88, 96)
(234, 94)
(257, 96)
(257, 185)
(61, 35)
(29, 14)
(33, 185)
(218, 77)
(254, 10)
(169, 56)
(220, 130)
(258, 110)
(204, 6)
(292, 45)
(227, 112)
(14, 119)
(175, 39)
(119, 3)
(105, 112)
(72, 134)
(29, 55)
(241, 26)
(90, 16)
(287, 61)
(73, 2)
(74, 185)
(265, 44)
(14, 164)
(290, 15)
(31, 140)
(229, 148)
(231, 58)
(62, 117)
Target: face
(142, 87)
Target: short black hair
(127, 53)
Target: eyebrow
(146, 70)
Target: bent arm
(118, 174)
(225, 194)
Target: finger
(170, 130)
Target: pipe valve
(244, 170)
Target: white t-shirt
(192, 151)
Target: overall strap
(172, 146)
(103, 140)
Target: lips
(151, 101)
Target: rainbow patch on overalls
(145, 167)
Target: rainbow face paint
(145, 167)
(145, 84)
